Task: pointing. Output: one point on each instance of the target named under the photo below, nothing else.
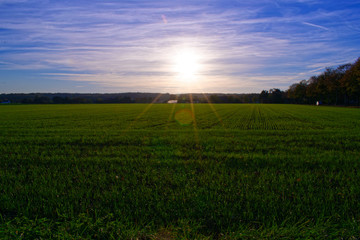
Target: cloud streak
(315, 25)
(131, 45)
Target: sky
(172, 46)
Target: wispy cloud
(132, 45)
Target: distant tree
(341, 71)
(333, 86)
(264, 96)
(27, 100)
(351, 82)
(41, 99)
(230, 99)
(98, 100)
(311, 92)
(57, 99)
(255, 98)
(196, 99)
(333, 82)
(245, 98)
(214, 99)
(297, 92)
(125, 100)
(79, 100)
(276, 95)
(321, 88)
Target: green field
(163, 171)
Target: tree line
(335, 86)
(76, 98)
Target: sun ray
(171, 114)
(196, 134)
(214, 110)
(227, 131)
(142, 113)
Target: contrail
(315, 25)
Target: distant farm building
(172, 101)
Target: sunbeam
(214, 110)
(196, 134)
(142, 113)
(171, 114)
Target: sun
(186, 65)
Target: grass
(142, 171)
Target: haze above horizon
(172, 46)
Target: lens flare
(184, 117)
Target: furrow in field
(238, 117)
(206, 118)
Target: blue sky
(120, 46)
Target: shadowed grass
(277, 171)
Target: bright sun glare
(186, 65)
